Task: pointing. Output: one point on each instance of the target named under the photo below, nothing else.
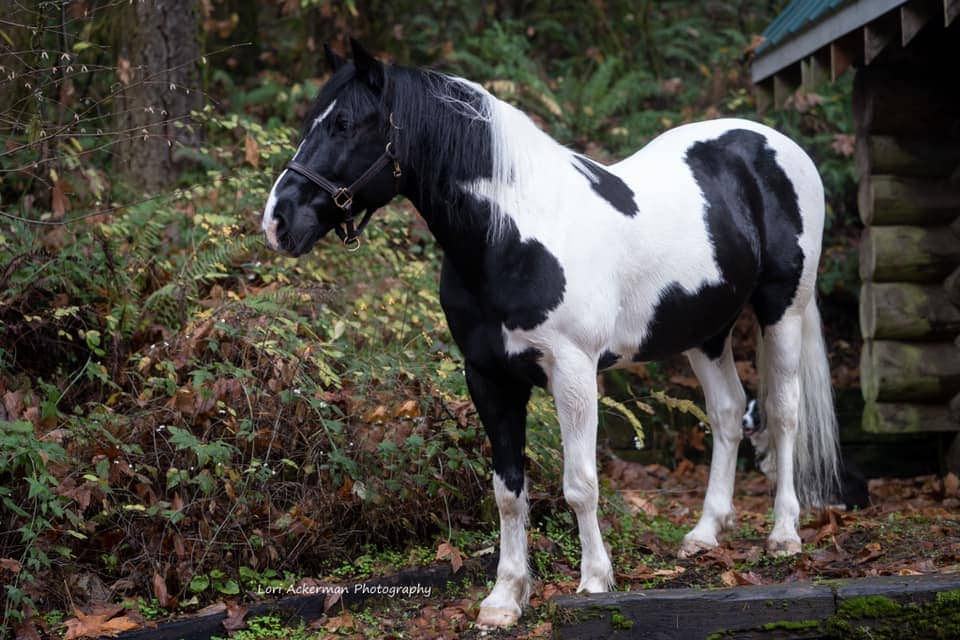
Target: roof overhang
(845, 20)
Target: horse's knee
(580, 489)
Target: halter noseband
(343, 196)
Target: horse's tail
(817, 454)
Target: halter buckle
(343, 198)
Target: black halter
(343, 196)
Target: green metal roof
(799, 15)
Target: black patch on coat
(528, 281)
(502, 404)
(753, 221)
(713, 347)
(477, 328)
(607, 360)
(608, 186)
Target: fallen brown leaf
(160, 590)
(251, 151)
(951, 484)
(447, 550)
(209, 610)
(96, 625)
(235, 616)
(343, 622)
(27, 631)
(11, 565)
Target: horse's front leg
(573, 384)
(501, 401)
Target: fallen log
(784, 611)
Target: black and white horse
(556, 267)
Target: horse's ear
(369, 69)
(334, 60)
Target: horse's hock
(906, 109)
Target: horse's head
(344, 164)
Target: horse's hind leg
(780, 375)
(502, 405)
(573, 384)
(725, 406)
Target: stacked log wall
(908, 165)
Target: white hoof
(497, 617)
(691, 547)
(781, 548)
(596, 584)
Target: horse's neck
(461, 229)
(516, 183)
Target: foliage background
(184, 414)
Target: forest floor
(912, 527)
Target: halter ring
(394, 124)
(351, 244)
(343, 199)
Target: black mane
(444, 134)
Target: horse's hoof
(596, 585)
(691, 547)
(496, 618)
(783, 548)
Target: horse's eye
(342, 125)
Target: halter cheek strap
(343, 196)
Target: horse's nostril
(281, 215)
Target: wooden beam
(892, 199)
(784, 85)
(762, 612)
(913, 16)
(893, 371)
(889, 417)
(815, 70)
(878, 35)
(904, 311)
(952, 287)
(763, 96)
(906, 155)
(904, 100)
(908, 254)
(843, 53)
(951, 9)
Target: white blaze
(269, 223)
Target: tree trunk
(161, 87)
(903, 371)
(902, 311)
(908, 254)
